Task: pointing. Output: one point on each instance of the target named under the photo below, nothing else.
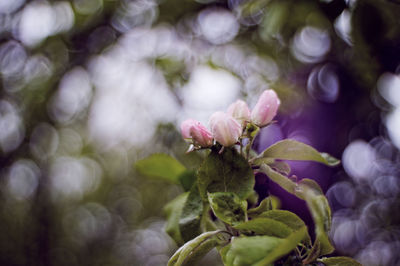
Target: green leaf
(339, 261)
(250, 8)
(284, 247)
(226, 172)
(288, 218)
(253, 198)
(190, 219)
(281, 167)
(223, 253)
(228, 207)
(161, 166)
(318, 205)
(259, 250)
(265, 226)
(280, 179)
(195, 248)
(173, 212)
(293, 150)
(313, 253)
(279, 223)
(265, 205)
(262, 160)
(187, 179)
(310, 184)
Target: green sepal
(251, 130)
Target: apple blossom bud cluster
(227, 128)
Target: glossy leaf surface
(294, 150)
(226, 172)
(259, 250)
(228, 207)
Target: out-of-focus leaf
(226, 172)
(187, 179)
(195, 248)
(339, 261)
(173, 211)
(272, 24)
(161, 166)
(190, 219)
(251, 8)
(293, 150)
(228, 207)
(172, 69)
(259, 250)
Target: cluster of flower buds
(226, 128)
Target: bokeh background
(88, 87)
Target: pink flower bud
(266, 108)
(192, 129)
(225, 129)
(240, 111)
(185, 128)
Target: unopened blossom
(240, 111)
(225, 129)
(266, 108)
(200, 135)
